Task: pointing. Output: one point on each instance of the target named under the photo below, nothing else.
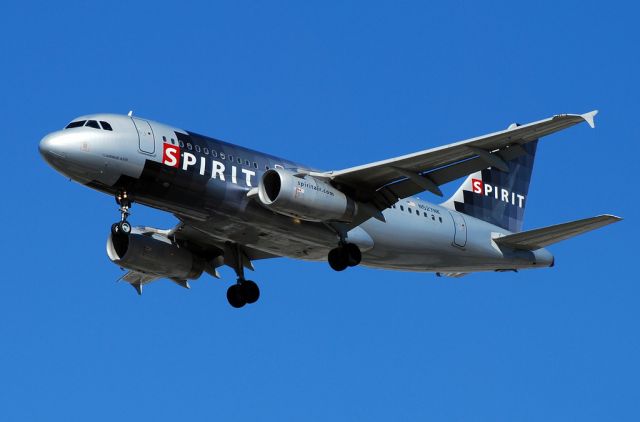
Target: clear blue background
(332, 85)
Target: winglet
(588, 117)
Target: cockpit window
(93, 124)
(105, 125)
(75, 124)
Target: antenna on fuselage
(130, 113)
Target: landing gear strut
(244, 291)
(345, 255)
(123, 226)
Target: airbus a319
(236, 205)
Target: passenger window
(231, 158)
(266, 167)
(206, 151)
(214, 153)
(189, 147)
(181, 144)
(105, 125)
(222, 155)
(75, 124)
(409, 209)
(433, 217)
(197, 148)
(164, 139)
(173, 142)
(401, 208)
(425, 214)
(255, 165)
(440, 219)
(92, 123)
(247, 163)
(239, 160)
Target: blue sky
(331, 84)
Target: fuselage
(208, 182)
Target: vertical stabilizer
(496, 196)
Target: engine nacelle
(304, 197)
(153, 254)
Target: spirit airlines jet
(236, 205)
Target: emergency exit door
(460, 227)
(145, 136)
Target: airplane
(236, 205)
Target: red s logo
(477, 186)
(171, 155)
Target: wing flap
(540, 238)
(138, 279)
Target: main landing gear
(123, 226)
(244, 291)
(345, 255)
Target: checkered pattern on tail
(495, 196)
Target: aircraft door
(145, 136)
(460, 229)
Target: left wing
(385, 182)
(138, 279)
(197, 238)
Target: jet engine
(304, 197)
(153, 253)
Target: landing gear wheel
(338, 259)
(124, 227)
(354, 254)
(250, 291)
(235, 296)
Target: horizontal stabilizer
(539, 238)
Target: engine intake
(153, 254)
(304, 197)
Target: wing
(138, 279)
(385, 182)
(198, 237)
(540, 238)
(194, 236)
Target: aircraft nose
(52, 146)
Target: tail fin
(495, 196)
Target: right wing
(539, 238)
(383, 183)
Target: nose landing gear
(345, 255)
(123, 226)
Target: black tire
(338, 259)
(235, 297)
(250, 291)
(354, 254)
(124, 227)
